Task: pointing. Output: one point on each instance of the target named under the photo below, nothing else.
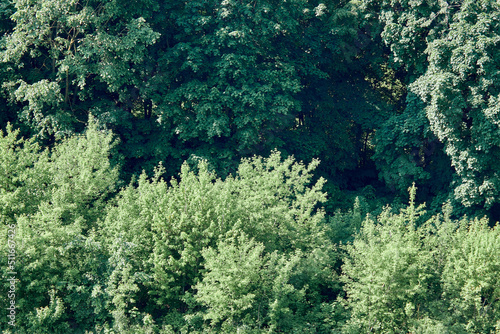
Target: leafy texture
(401, 278)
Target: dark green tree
(198, 79)
(448, 51)
(66, 58)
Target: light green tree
(439, 277)
(172, 234)
(60, 261)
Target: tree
(196, 80)
(448, 50)
(60, 261)
(24, 177)
(461, 99)
(246, 287)
(469, 277)
(387, 276)
(167, 233)
(406, 276)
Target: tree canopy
(244, 166)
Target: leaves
(400, 277)
(450, 57)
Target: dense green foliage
(234, 166)
(440, 277)
(448, 55)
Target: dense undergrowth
(253, 253)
